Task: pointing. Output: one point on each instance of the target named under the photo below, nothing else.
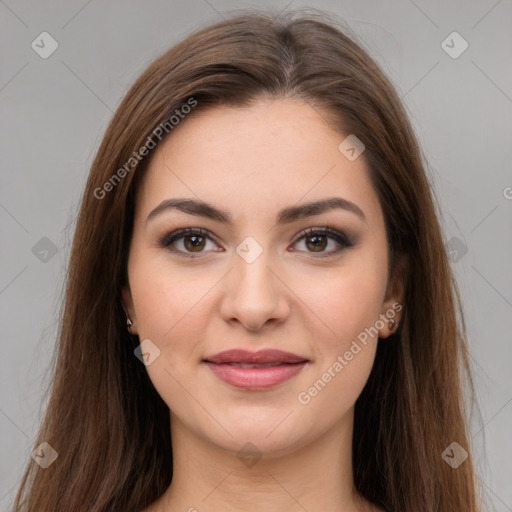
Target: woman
(260, 314)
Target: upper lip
(261, 357)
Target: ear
(392, 307)
(129, 309)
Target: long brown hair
(104, 418)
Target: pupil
(319, 243)
(194, 240)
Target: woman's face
(256, 283)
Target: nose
(254, 294)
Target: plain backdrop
(54, 112)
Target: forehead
(254, 160)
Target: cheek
(331, 394)
(168, 300)
(346, 309)
(339, 306)
(172, 311)
(339, 311)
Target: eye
(316, 240)
(193, 240)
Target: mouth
(255, 377)
(255, 371)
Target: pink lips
(255, 370)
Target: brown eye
(316, 243)
(188, 241)
(316, 240)
(194, 243)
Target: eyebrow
(284, 216)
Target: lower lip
(255, 378)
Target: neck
(314, 476)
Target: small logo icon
(351, 147)
(249, 454)
(147, 352)
(455, 249)
(44, 45)
(44, 455)
(454, 45)
(454, 455)
(44, 250)
(249, 249)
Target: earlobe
(390, 327)
(392, 309)
(390, 320)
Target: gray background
(54, 112)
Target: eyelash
(341, 238)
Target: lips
(255, 371)
(263, 358)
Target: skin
(252, 162)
